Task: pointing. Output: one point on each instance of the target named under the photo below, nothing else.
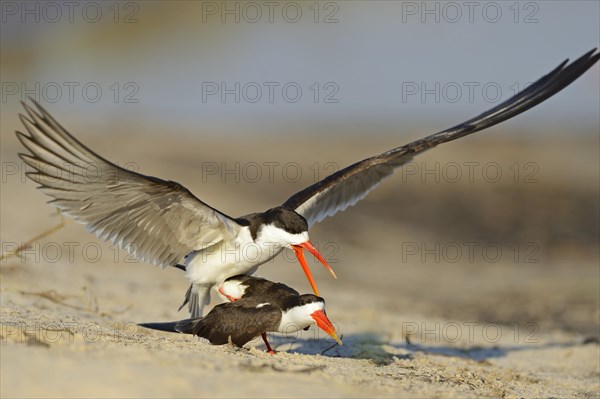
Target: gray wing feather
(349, 185)
(157, 221)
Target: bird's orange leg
(270, 350)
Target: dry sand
(522, 325)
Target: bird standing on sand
(257, 306)
(163, 223)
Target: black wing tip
(584, 62)
(587, 56)
(589, 53)
(562, 65)
(587, 60)
(575, 69)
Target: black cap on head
(286, 219)
(310, 298)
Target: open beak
(300, 255)
(324, 324)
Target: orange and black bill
(324, 324)
(298, 249)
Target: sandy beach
(472, 272)
(460, 287)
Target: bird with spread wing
(163, 223)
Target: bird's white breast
(229, 258)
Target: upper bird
(163, 223)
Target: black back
(260, 290)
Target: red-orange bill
(324, 324)
(308, 245)
(300, 255)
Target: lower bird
(257, 306)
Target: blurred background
(246, 103)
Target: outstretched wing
(158, 221)
(347, 186)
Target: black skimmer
(163, 223)
(257, 306)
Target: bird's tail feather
(183, 326)
(167, 327)
(196, 297)
(187, 326)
